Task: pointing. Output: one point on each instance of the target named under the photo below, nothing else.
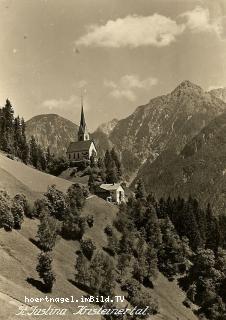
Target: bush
(88, 247)
(90, 220)
(108, 230)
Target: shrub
(108, 230)
(90, 220)
(88, 247)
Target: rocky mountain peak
(220, 93)
(108, 126)
(187, 86)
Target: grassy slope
(19, 255)
(17, 177)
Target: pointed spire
(82, 121)
(83, 133)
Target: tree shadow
(109, 251)
(37, 284)
(148, 283)
(35, 242)
(82, 287)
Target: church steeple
(83, 133)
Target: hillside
(198, 170)
(19, 254)
(53, 131)
(16, 177)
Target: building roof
(110, 186)
(79, 146)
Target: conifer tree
(140, 191)
(34, 152)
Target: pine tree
(6, 216)
(140, 191)
(115, 158)
(107, 159)
(34, 152)
(24, 144)
(8, 114)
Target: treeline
(198, 224)
(13, 141)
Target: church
(84, 148)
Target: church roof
(79, 146)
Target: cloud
(62, 104)
(213, 87)
(123, 93)
(199, 20)
(133, 81)
(156, 30)
(133, 31)
(127, 84)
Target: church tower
(83, 134)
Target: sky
(118, 53)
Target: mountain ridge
(168, 120)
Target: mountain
(168, 120)
(53, 131)
(199, 169)
(219, 93)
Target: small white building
(112, 192)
